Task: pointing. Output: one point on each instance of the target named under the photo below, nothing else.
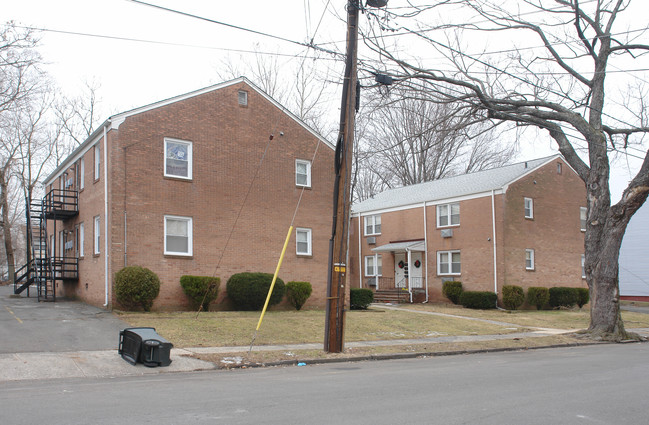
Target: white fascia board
(430, 203)
(97, 135)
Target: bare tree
(18, 82)
(554, 78)
(412, 139)
(77, 115)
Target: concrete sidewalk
(108, 363)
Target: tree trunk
(6, 227)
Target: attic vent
(243, 98)
(371, 241)
(447, 233)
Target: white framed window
(97, 160)
(242, 97)
(372, 225)
(302, 241)
(559, 168)
(178, 235)
(583, 212)
(448, 263)
(97, 235)
(373, 265)
(81, 236)
(448, 215)
(82, 173)
(529, 207)
(529, 259)
(178, 158)
(302, 173)
(583, 266)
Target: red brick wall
(554, 234)
(228, 143)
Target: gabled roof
(480, 182)
(115, 120)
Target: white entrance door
(416, 275)
(400, 270)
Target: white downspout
(493, 227)
(105, 216)
(360, 258)
(425, 253)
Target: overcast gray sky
(139, 54)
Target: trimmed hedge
(562, 296)
(452, 290)
(538, 296)
(136, 286)
(201, 290)
(513, 297)
(360, 298)
(583, 297)
(297, 293)
(478, 300)
(248, 291)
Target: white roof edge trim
(543, 164)
(114, 121)
(429, 203)
(90, 142)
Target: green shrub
(452, 290)
(248, 291)
(297, 293)
(136, 286)
(538, 296)
(360, 298)
(201, 290)
(478, 300)
(562, 296)
(583, 297)
(513, 297)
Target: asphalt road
(601, 384)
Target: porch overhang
(401, 247)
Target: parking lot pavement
(29, 326)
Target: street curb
(400, 356)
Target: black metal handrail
(61, 200)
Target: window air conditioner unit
(447, 233)
(371, 240)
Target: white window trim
(373, 218)
(190, 161)
(308, 172)
(582, 225)
(97, 153)
(583, 266)
(82, 174)
(309, 241)
(448, 215)
(81, 236)
(96, 236)
(533, 265)
(190, 237)
(531, 201)
(450, 264)
(376, 273)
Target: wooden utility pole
(335, 313)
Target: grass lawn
(218, 329)
(236, 328)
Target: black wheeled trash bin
(144, 345)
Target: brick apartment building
(522, 224)
(209, 177)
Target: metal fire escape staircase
(43, 269)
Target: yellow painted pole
(272, 285)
